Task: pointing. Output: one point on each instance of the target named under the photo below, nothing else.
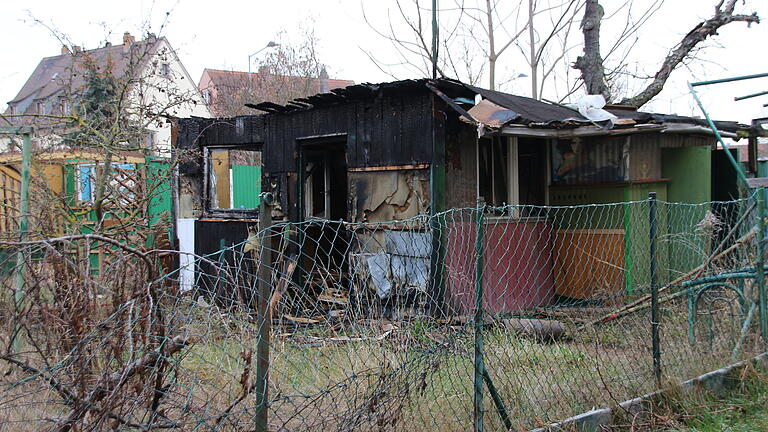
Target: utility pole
(435, 39)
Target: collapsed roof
(500, 112)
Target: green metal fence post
(436, 207)
(691, 315)
(26, 155)
(479, 364)
(264, 287)
(655, 343)
(760, 262)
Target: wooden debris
(333, 296)
(537, 329)
(302, 320)
(312, 341)
(280, 289)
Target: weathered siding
(645, 156)
(460, 165)
(391, 129)
(517, 266)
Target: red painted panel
(517, 265)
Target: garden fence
(492, 318)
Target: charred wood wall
(389, 129)
(460, 164)
(392, 128)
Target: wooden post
(655, 343)
(264, 293)
(478, 321)
(21, 264)
(437, 216)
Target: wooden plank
(757, 182)
(389, 168)
(588, 262)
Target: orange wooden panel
(589, 263)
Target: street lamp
(271, 44)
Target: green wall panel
(246, 186)
(689, 170)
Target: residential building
(90, 107)
(159, 87)
(227, 92)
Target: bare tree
(470, 38)
(724, 14)
(541, 30)
(96, 343)
(291, 70)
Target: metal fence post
(655, 345)
(21, 263)
(479, 364)
(760, 262)
(264, 287)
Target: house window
(149, 140)
(40, 108)
(513, 171)
(234, 179)
(64, 107)
(165, 69)
(207, 96)
(85, 181)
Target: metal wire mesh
(514, 317)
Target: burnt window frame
(209, 211)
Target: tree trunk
(534, 59)
(591, 63)
(491, 47)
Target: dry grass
(419, 377)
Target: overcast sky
(223, 34)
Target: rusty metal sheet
(488, 113)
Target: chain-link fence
(493, 318)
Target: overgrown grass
(742, 409)
(418, 377)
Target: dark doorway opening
(725, 187)
(532, 174)
(324, 242)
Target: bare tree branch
(703, 30)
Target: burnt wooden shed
(393, 151)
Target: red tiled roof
(220, 77)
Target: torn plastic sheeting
(378, 269)
(408, 243)
(404, 263)
(591, 107)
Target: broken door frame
(302, 143)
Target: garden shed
(387, 153)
